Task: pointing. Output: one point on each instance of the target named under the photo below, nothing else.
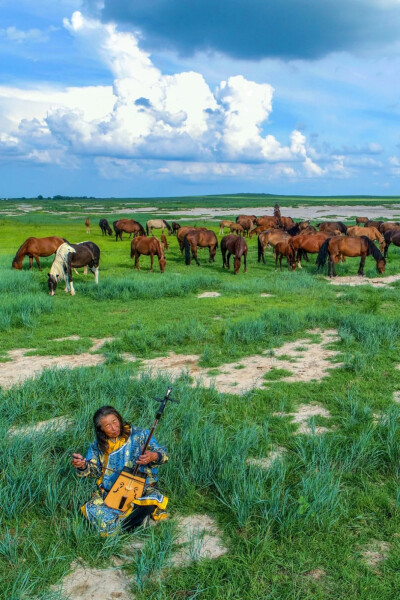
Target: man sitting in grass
(119, 445)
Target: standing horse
(243, 219)
(224, 224)
(237, 228)
(35, 247)
(349, 246)
(267, 222)
(389, 225)
(236, 245)
(371, 232)
(200, 238)
(105, 227)
(285, 248)
(287, 223)
(391, 237)
(175, 226)
(164, 241)
(330, 226)
(360, 220)
(308, 243)
(158, 224)
(149, 246)
(87, 224)
(128, 226)
(70, 256)
(183, 231)
(376, 224)
(269, 238)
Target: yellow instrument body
(126, 489)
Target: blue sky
(169, 97)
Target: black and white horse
(70, 256)
(105, 227)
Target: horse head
(16, 263)
(52, 283)
(380, 265)
(162, 262)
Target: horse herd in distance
(292, 241)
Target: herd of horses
(330, 240)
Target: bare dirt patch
(58, 423)
(267, 461)
(306, 359)
(375, 553)
(304, 413)
(209, 295)
(267, 295)
(353, 280)
(199, 537)
(396, 396)
(96, 584)
(73, 338)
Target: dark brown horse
(105, 227)
(149, 246)
(35, 247)
(236, 245)
(285, 248)
(69, 257)
(175, 226)
(128, 226)
(200, 238)
(360, 220)
(183, 231)
(349, 246)
(371, 223)
(389, 225)
(391, 237)
(300, 228)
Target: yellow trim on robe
(113, 447)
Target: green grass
(316, 508)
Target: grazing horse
(70, 256)
(244, 218)
(158, 224)
(237, 228)
(175, 226)
(105, 227)
(371, 232)
(376, 224)
(256, 231)
(183, 231)
(35, 247)
(391, 237)
(236, 245)
(87, 224)
(389, 225)
(360, 220)
(128, 226)
(285, 248)
(267, 222)
(269, 238)
(224, 224)
(203, 238)
(349, 246)
(300, 227)
(148, 246)
(164, 241)
(331, 226)
(308, 243)
(287, 223)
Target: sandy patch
(267, 461)
(396, 395)
(310, 362)
(58, 423)
(316, 574)
(96, 584)
(302, 416)
(69, 337)
(378, 282)
(209, 295)
(98, 343)
(375, 553)
(267, 295)
(199, 537)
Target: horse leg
(30, 262)
(137, 265)
(298, 258)
(386, 249)
(223, 258)
(245, 261)
(194, 255)
(151, 261)
(362, 263)
(38, 262)
(276, 259)
(334, 274)
(85, 270)
(228, 259)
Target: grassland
(315, 510)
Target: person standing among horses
(119, 445)
(277, 214)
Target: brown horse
(148, 246)
(87, 224)
(389, 225)
(35, 247)
(285, 248)
(371, 232)
(269, 238)
(183, 231)
(128, 226)
(376, 224)
(360, 220)
(236, 245)
(308, 243)
(242, 219)
(391, 237)
(224, 224)
(203, 238)
(164, 241)
(175, 226)
(349, 246)
(331, 226)
(267, 222)
(237, 228)
(287, 223)
(256, 231)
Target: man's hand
(78, 461)
(147, 457)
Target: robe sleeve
(154, 446)
(93, 464)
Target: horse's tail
(132, 251)
(147, 229)
(260, 249)
(342, 227)
(372, 249)
(216, 245)
(323, 254)
(186, 245)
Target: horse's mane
(59, 262)
(373, 250)
(294, 230)
(167, 225)
(20, 248)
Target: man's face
(110, 425)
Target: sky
(129, 98)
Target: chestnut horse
(244, 218)
(285, 248)
(70, 256)
(269, 238)
(224, 224)
(183, 231)
(149, 246)
(203, 238)
(349, 246)
(391, 237)
(35, 247)
(371, 232)
(87, 224)
(361, 220)
(237, 228)
(308, 243)
(287, 223)
(330, 226)
(267, 222)
(164, 241)
(128, 226)
(256, 231)
(236, 245)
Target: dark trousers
(136, 517)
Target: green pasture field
(316, 510)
